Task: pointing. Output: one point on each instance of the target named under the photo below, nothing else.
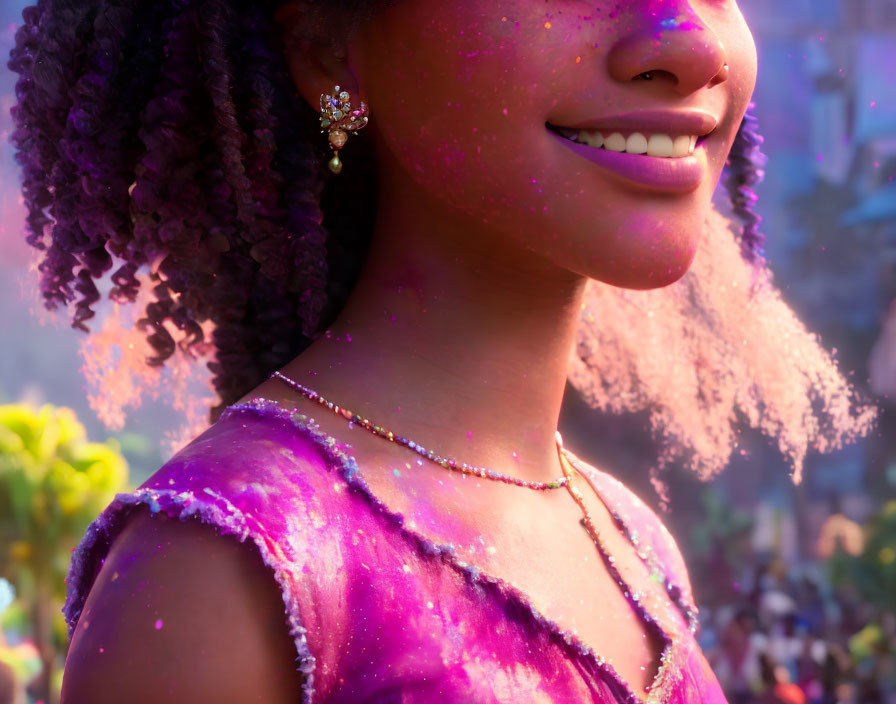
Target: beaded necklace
(445, 462)
(636, 598)
(463, 467)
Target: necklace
(445, 462)
(636, 598)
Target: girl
(398, 486)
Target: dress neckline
(352, 474)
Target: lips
(664, 175)
(647, 121)
(646, 149)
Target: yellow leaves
(53, 481)
(41, 434)
(10, 441)
(69, 486)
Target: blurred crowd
(794, 638)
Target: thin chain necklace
(636, 598)
(463, 467)
(445, 462)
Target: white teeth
(681, 146)
(658, 145)
(592, 139)
(636, 144)
(615, 142)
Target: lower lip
(669, 175)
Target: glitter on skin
(555, 64)
(404, 577)
(679, 23)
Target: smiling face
(470, 98)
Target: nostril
(655, 74)
(680, 61)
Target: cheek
(464, 98)
(742, 58)
(460, 108)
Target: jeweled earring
(338, 117)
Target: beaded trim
(636, 599)
(347, 466)
(213, 509)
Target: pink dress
(378, 612)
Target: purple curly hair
(743, 172)
(169, 137)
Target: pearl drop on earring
(334, 164)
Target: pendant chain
(635, 597)
(462, 467)
(565, 481)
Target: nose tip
(689, 54)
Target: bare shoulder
(180, 613)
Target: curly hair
(168, 137)
(743, 173)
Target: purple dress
(378, 612)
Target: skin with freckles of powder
(487, 226)
(460, 328)
(158, 629)
(459, 104)
(458, 332)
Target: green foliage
(717, 543)
(721, 526)
(866, 643)
(873, 573)
(53, 483)
(14, 619)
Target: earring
(338, 117)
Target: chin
(643, 265)
(658, 276)
(643, 278)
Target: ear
(314, 41)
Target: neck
(453, 337)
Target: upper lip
(691, 122)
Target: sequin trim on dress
(213, 509)
(665, 677)
(644, 549)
